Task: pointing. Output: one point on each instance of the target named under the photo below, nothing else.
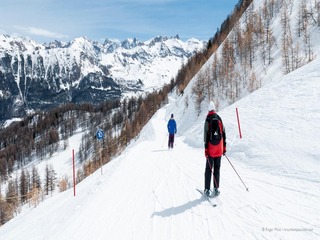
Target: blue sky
(48, 20)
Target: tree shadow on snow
(179, 209)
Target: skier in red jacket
(215, 147)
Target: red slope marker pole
(238, 123)
(74, 177)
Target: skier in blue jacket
(172, 129)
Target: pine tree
(50, 178)
(23, 186)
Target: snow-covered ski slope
(149, 192)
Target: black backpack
(214, 130)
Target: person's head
(211, 106)
(171, 115)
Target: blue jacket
(172, 126)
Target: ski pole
(236, 172)
(165, 139)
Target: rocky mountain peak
(39, 76)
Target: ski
(206, 197)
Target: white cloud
(145, 1)
(41, 32)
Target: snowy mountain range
(37, 76)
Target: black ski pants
(212, 164)
(171, 140)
